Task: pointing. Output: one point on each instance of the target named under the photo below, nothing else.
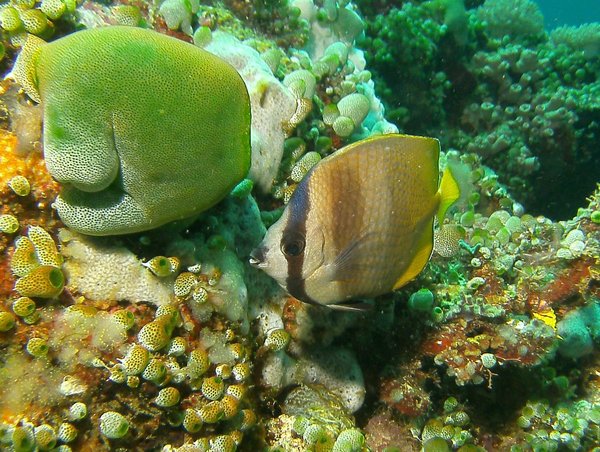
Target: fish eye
(293, 247)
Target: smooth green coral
(140, 128)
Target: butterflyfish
(360, 223)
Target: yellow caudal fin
(449, 193)
(424, 248)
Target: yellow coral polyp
(9, 224)
(177, 346)
(54, 9)
(303, 108)
(184, 283)
(23, 438)
(43, 282)
(237, 391)
(127, 15)
(248, 419)
(237, 350)
(124, 318)
(170, 314)
(67, 433)
(113, 425)
(9, 19)
(303, 165)
(211, 413)
(133, 381)
(35, 251)
(200, 295)
(167, 397)
(45, 248)
(155, 335)
(241, 371)
(34, 21)
(237, 437)
(32, 318)
(162, 266)
(23, 259)
(191, 421)
(77, 411)
(7, 321)
(223, 443)
(136, 360)
(20, 185)
(45, 437)
(175, 264)
(37, 347)
(230, 406)
(198, 363)
(23, 306)
(223, 371)
(213, 388)
(117, 373)
(277, 340)
(155, 371)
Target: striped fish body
(360, 223)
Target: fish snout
(258, 257)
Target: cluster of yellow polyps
(36, 261)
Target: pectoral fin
(350, 260)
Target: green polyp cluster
(569, 425)
(17, 18)
(140, 129)
(178, 14)
(450, 432)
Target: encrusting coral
(108, 188)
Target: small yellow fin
(424, 248)
(548, 316)
(449, 193)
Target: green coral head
(24, 69)
(140, 128)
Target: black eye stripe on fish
(295, 228)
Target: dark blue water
(573, 12)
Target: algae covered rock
(140, 128)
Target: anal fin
(424, 248)
(351, 306)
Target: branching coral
(521, 19)
(585, 38)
